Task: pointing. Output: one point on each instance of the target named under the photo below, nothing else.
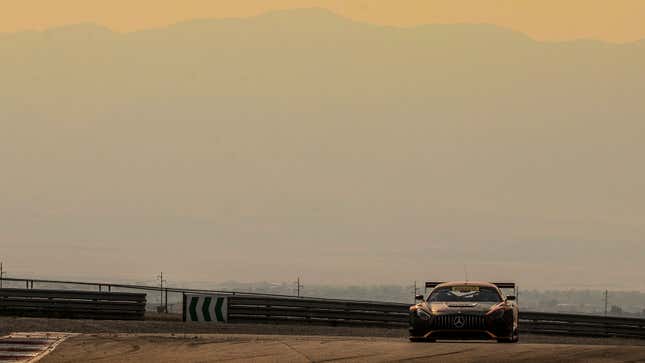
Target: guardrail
(163, 299)
(158, 301)
(72, 304)
(246, 307)
(582, 325)
(253, 309)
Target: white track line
(29, 347)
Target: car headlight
(422, 314)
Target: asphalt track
(290, 348)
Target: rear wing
(432, 284)
(500, 285)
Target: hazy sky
(616, 20)
(303, 143)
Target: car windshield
(465, 294)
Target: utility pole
(298, 286)
(606, 300)
(161, 282)
(1, 274)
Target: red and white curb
(29, 347)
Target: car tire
(515, 338)
(418, 340)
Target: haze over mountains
(300, 142)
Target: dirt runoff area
(290, 348)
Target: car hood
(462, 307)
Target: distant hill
(299, 142)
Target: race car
(465, 310)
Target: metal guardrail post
(166, 304)
(183, 306)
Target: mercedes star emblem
(459, 322)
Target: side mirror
(510, 298)
(419, 297)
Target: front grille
(459, 321)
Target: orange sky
(610, 20)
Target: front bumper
(462, 326)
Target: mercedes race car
(465, 310)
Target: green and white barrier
(206, 308)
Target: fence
(265, 309)
(156, 298)
(72, 304)
(250, 309)
(582, 325)
(271, 308)
(167, 299)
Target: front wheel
(515, 338)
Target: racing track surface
(285, 348)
